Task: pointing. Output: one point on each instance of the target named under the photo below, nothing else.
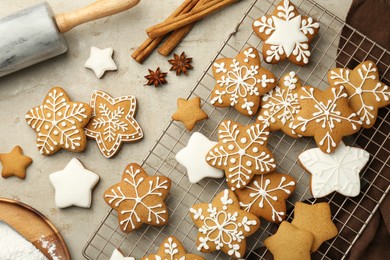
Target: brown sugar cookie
(139, 198)
(171, 248)
(59, 123)
(265, 196)
(223, 225)
(281, 105)
(15, 163)
(113, 122)
(189, 112)
(286, 34)
(241, 152)
(241, 81)
(366, 92)
(290, 243)
(325, 115)
(316, 219)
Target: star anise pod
(156, 78)
(181, 64)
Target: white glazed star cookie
(100, 61)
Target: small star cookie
(113, 122)
(15, 163)
(223, 225)
(365, 91)
(139, 198)
(286, 34)
(59, 123)
(241, 81)
(325, 115)
(241, 152)
(189, 112)
(171, 248)
(117, 255)
(100, 61)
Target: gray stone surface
(25, 89)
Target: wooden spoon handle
(96, 10)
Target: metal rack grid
(351, 215)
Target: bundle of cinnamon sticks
(177, 26)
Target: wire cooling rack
(351, 215)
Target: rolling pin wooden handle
(96, 10)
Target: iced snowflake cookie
(366, 92)
(316, 219)
(113, 122)
(223, 225)
(338, 171)
(59, 123)
(139, 198)
(286, 34)
(325, 115)
(265, 196)
(172, 249)
(241, 81)
(281, 105)
(241, 152)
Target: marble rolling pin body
(35, 34)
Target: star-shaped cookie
(223, 225)
(100, 61)
(113, 122)
(325, 115)
(241, 152)
(241, 81)
(117, 255)
(59, 123)
(73, 185)
(286, 34)
(265, 196)
(14, 163)
(189, 112)
(366, 93)
(338, 171)
(139, 198)
(171, 248)
(316, 219)
(193, 158)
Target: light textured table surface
(124, 32)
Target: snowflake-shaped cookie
(286, 34)
(325, 115)
(241, 152)
(338, 171)
(265, 196)
(281, 105)
(59, 123)
(139, 198)
(113, 122)
(172, 249)
(366, 92)
(241, 82)
(223, 225)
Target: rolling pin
(35, 34)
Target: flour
(14, 247)
(51, 248)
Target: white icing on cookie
(116, 255)
(100, 61)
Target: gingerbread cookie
(338, 171)
(223, 225)
(113, 122)
(15, 163)
(241, 152)
(241, 82)
(189, 112)
(172, 249)
(286, 34)
(366, 92)
(59, 123)
(265, 196)
(139, 198)
(281, 105)
(325, 115)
